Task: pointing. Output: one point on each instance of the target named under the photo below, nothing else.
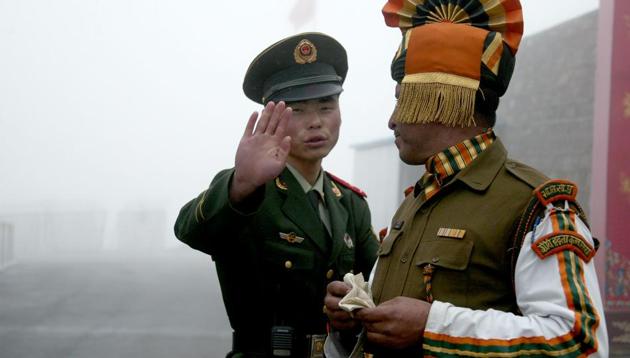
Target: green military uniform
(275, 261)
(276, 252)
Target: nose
(391, 124)
(314, 120)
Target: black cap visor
(306, 92)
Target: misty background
(113, 114)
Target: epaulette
(347, 185)
(525, 173)
(553, 192)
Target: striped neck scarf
(444, 165)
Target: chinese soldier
(278, 227)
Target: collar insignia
(280, 184)
(335, 190)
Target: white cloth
(360, 295)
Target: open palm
(262, 152)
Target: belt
(309, 346)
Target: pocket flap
(447, 253)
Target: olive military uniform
(483, 202)
(500, 255)
(275, 260)
(460, 239)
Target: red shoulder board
(347, 185)
(409, 190)
(556, 190)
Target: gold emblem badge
(291, 238)
(280, 184)
(305, 52)
(335, 190)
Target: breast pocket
(444, 262)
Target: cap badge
(305, 52)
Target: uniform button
(330, 274)
(435, 259)
(288, 264)
(403, 259)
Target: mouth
(315, 141)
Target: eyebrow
(326, 99)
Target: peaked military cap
(301, 67)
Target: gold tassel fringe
(437, 98)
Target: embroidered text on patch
(564, 240)
(555, 190)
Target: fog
(113, 114)
(127, 106)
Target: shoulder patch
(564, 240)
(347, 185)
(409, 190)
(556, 190)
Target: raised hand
(397, 323)
(262, 152)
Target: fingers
(338, 288)
(275, 118)
(249, 129)
(285, 145)
(283, 122)
(261, 127)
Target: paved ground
(166, 305)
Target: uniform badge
(335, 190)
(555, 190)
(564, 240)
(280, 184)
(398, 225)
(451, 233)
(305, 52)
(348, 240)
(291, 238)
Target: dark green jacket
(265, 278)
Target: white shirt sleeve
(558, 296)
